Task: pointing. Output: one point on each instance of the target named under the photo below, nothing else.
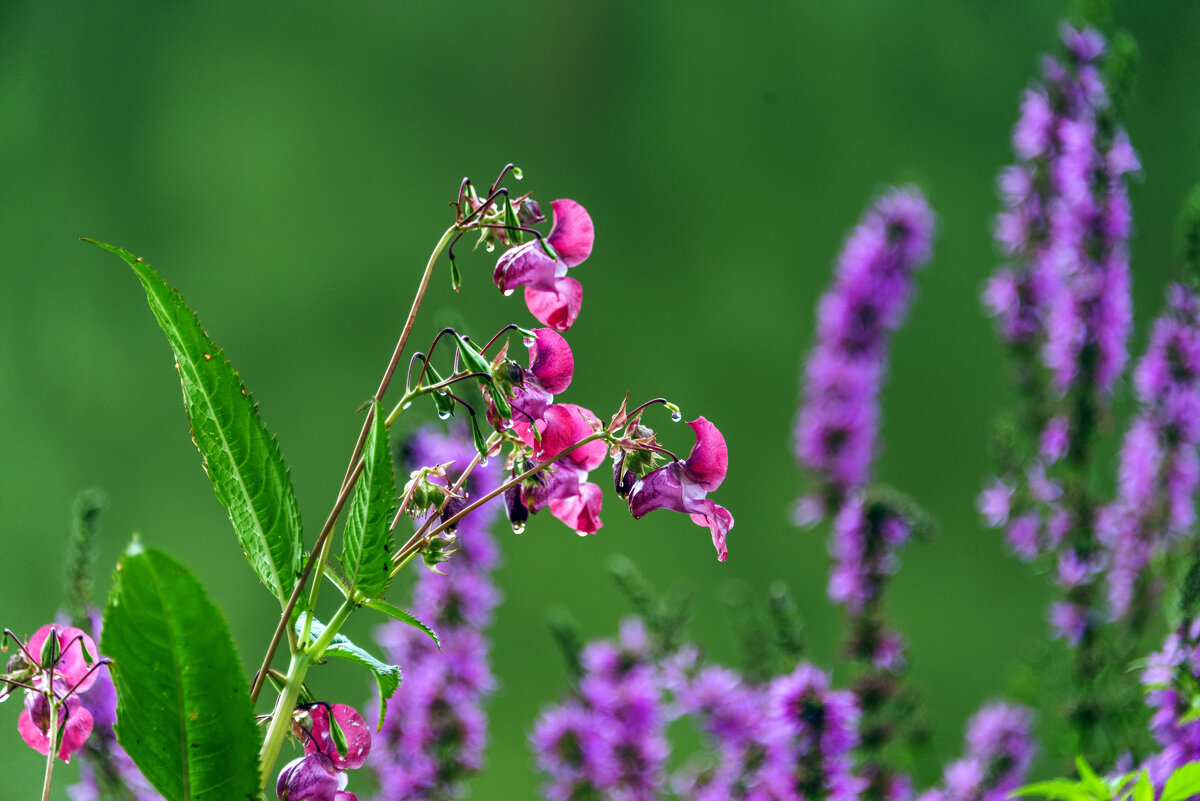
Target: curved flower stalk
(837, 426)
(1062, 306)
(1000, 748)
(435, 730)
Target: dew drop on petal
(507, 292)
(529, 341)
(518, 528)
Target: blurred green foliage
(288, 167)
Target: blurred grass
(288, 170)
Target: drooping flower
(682, 485)
(551, 367)
(563, 486)
(74, 721)
(552, 297)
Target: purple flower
(312, 778)
(552, 297)
(1158, 473)
(999, 751)
(609, 739)
(995, 503)
(682, 485)
(435, 729)
(551, 367)
(836, 426)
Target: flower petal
(551, 360)
(358, 736)
(719, 522)
(709, 460)
(527, 265)
(78, 725)
(592, 455)
(580, 512)
(308, 778)
(573, 233)
(559, 307)
(658, 489)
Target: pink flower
(551, 366)
(564, 486)
(74, 721)
(354, 729)
(682, 485)
(552, 297)
(56, 664)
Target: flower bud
(515, 508)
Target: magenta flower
(552, 297)
(312, 778)
(56, 671)
(564, 487)
(74, 721)
(551, 366)
(682, 485)
(355, 730)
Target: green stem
(281, 716)
(52, 752)
(353, 471)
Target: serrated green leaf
(396, 613)
(1183, 783)
(185, 716)
(387, 677)
(367, 537)
(241, 457)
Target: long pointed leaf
(396, 613)
(367, 538)
(184, 711)
(240, 456)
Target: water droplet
(507, 292)
(529, 341)
(406, 405)
(518, 528)
(443, 392)
(489, 246)
(444, 415)
(676, 416)
(581, 533)
(483, 461)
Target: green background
(288, 166)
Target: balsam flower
(320, 775)
(551, 367)
(682, 485)
(552, 297)
(563, 487)
(55, 665)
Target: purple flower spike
(835, 430)
(999, 751)
(681, 486)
